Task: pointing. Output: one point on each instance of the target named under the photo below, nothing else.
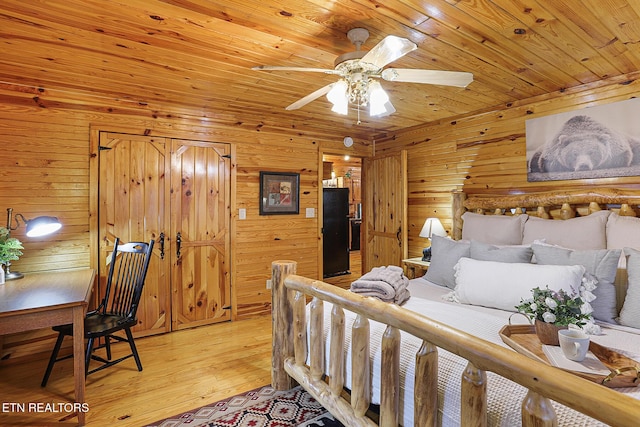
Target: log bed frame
(290, 294)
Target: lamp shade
(42, 225)
(431, 227)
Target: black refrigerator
(335, 231)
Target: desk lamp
(40, 226)
(431, 227)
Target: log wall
(45, 166)
(485, 152)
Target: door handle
(399, 237)
(161, 237)
(178, 243)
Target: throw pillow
(587, 232)
(623, 232)
(630, 313)
(445, 253)
(601, 263)
(493, 229)
(503, 285)
(486, 252)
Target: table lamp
(431, 227)
(40, 226)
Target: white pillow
(586, 232)
(493, 229)
(504, 285)
(623, 232)
(630, 313)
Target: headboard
(552, 204)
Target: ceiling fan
(359, 71)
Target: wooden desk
(42, 300)
(415, 267)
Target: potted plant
(10, 247)
(554, 310)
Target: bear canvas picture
(596, 142)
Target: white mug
(574, 344)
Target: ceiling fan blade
(388, 50)
(277, 68)
(434, 77)
(311, 97)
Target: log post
(594, 207)
(567, 212)
(336, 353)
(541, 212)
(537, 411)
(473, 399)
(390, 378)
(300, 328)
(425, 403)
(316, 338)
(282, 324)
(626, 210)
(360, 356)
(458, 209)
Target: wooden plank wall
(485, 152)
(44, 169)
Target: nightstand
(415, 267)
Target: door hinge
(102, 147)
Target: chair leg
(87, 356)
(134, 350)
(107, 346)
(52, 360)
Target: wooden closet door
(134, 206)
(384, 207)
(201, 216)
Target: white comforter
(504, 396)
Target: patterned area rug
(262, 407)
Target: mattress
(504, 396)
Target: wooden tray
(625, 372)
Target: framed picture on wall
(279, 193)
(595, 142)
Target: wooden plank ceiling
(194, 57)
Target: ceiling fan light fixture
(338, 97)
(341, 108)
(377, 99)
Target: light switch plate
(311, 212)
(242, 213)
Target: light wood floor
(182, 370)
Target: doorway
(340, 171)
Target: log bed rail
(289, 355)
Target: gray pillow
(445, 254)
(630, 313)
(486, 252)
(601, 263)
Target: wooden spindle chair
(117, 311)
